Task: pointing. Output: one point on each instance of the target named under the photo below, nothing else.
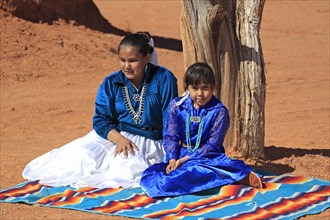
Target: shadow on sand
(273, 153)
(82, 12)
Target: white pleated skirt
(89, 162)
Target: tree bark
(225, 34)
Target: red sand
(50, 75)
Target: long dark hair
(138, 40)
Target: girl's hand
(125, 145)
(181, 161)
(171, 166)
(174, 164)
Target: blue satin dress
(208, 166)
(112, 112)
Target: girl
(130, 108)
(195, 130)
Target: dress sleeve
(171, 134)
(216, 135)
(104, 119)
(169, 91)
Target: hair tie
(153, 58)
(151, 42)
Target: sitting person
(130, 109)
(193, 140)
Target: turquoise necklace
(199, 134)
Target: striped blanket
(285, 197)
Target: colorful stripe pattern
(285, 197)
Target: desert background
(50, 75)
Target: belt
(184, 145)
(150, 129)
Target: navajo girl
(195, 130)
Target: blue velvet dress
(208, 166)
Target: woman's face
(132, 63)
(200, 94)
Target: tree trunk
(225, 34)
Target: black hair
(145, 33)
(139, 40)
(197, 74)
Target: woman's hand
(123, 144)
(174, 164)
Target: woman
(130, 109)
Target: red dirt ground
(50, 75)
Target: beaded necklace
(137, 116)
(199, 134)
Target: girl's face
(200, 94)
(132, 63)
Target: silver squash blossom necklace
(137, 116)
